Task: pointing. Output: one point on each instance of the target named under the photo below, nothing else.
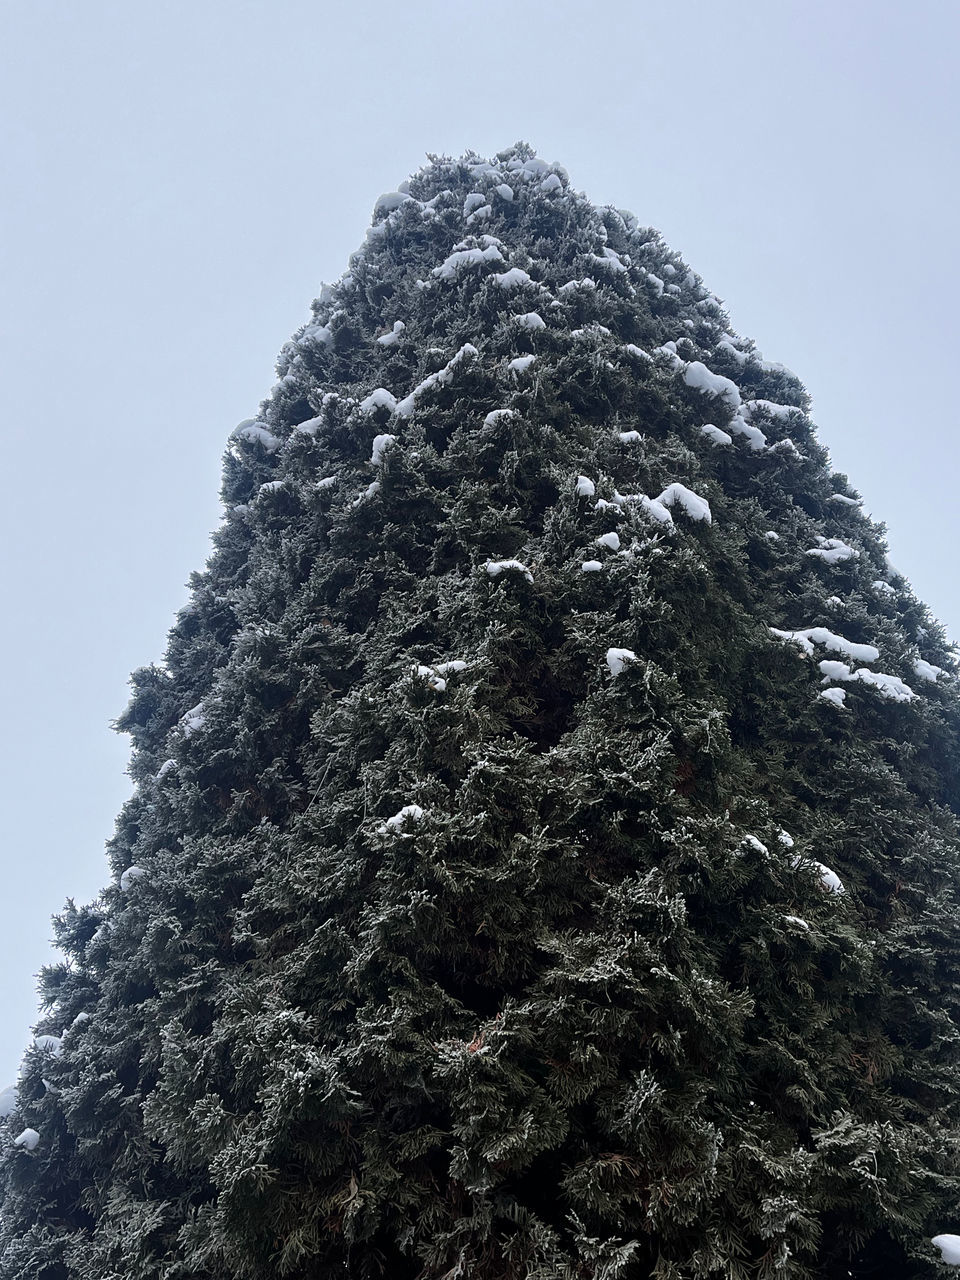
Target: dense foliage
(543, 860)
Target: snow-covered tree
(544, 857)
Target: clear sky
(178, 177)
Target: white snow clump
(129, 876)
(411, 811)
(696, 508)
(192, 720)
(697, 375)
(388, 339)
(949, 1247)
(617, 659)
(466, 258)
(380, 446)
(381, 398)
(530, 320)
(715, 435)
(926, 670)
(495, 567)
(807, 638)
(253, 432)
(520, 364)
(29, 1140)
(441, 378)
(837, 696)
(833, 551)
(887, 686)
(515, 278)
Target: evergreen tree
(544, 856)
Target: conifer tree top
(544, 857)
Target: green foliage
(447, 951)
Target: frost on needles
(454, 927)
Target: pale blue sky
(178, 177)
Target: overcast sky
(179, 176)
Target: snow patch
(757, 845)
(829, 879)
(609, 261)
(739, 425)
(530, 320)
(617, 659)
(696, 508)
(389, 201)
(591, 566)
(699, 377)
(515, 278)
(715, 435)
(837, 696)
(655, 509)
(584, 488)
(28, 1140)
(381, 444)
(498, 415)
(833, 551)
(887, 686)
(629, 437)
(409, 812)
(252, 432)
(610, 540)
(388, 339)
(192, 720)
(726, 345)
(430, 674)
(520, 364)
(495, 567)
(926, 670)
(128, 877)
(379, 399)
(772, 409)
(473, 200)
(445, 668)
(949, 1247)
(460, 258)
(807, 638)
(441, 378)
